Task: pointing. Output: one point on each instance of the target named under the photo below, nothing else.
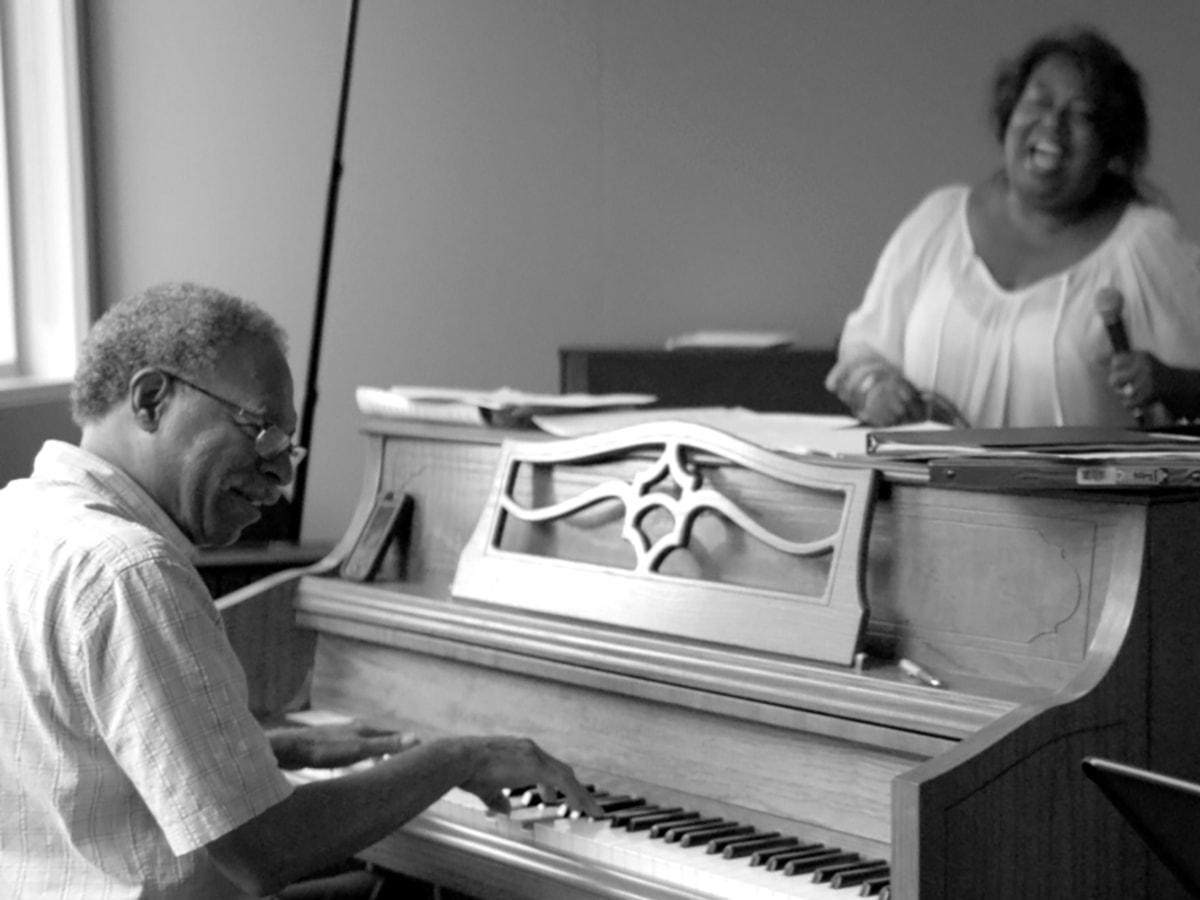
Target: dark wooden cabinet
(784, 379)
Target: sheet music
(798, 433)
(393, 405)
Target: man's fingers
(498, 803)
(581, 799)
(396, 742)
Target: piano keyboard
(670, 845)
(682, 848)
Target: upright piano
(836, 654)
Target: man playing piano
(132, 766)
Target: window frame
(8, 307)
(49, 251)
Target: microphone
(1109, 302)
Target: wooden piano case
(708, 653)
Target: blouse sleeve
(877, 326)
(1162, 290)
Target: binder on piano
(1066, 440)
(1024, 473)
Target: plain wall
(524, 174)
(26, 423)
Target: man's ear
(148, 391)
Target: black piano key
(885, 892)
(724, 834)
(718, 844)
(613, 804)
(779, 860)
(528, 795)
(643, 823)
(597, 794)
(721, 845)
(621, 818)
(876, 885)
(704, 835)
(749, 848)
(821, 874)
(672, 833)
(764, 857)
(859, 874)
(658, 829)
(637, 816)
(523, 796)
(804, 865)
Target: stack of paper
(504, 406)
(746, 340)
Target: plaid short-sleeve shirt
(126, 742)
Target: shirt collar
(60, 461)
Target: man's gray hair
(179, 326)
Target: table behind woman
(982, 310)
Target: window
(44, 255)
(8, 308)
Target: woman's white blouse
(1034, 356)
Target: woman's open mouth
(1045, 157)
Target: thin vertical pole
(314, 354)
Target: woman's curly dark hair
(1122, 122)
(179, 326)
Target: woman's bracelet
(865, 384)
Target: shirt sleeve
(1162, 290)
(877, 326)
(169, 698)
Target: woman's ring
(1127, 389)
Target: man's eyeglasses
(271, 440)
